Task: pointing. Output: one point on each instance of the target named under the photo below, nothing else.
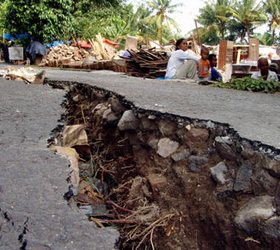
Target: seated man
(264, 72)
(274, 67)
(214, 74)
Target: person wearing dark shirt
(214, 74)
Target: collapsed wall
(171, 182)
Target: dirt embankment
(172, 182)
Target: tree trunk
(159, 34)
(273, 36)
(248, 33)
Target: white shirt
(272, 76)
(176, 59)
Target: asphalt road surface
(254, 116)
(33, 213)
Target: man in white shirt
(264, 72)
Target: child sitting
(204, 65)
(214, 74)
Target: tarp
(54, 44)
(8, 36)
(82, 44)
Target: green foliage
(249, 14)
(48, 20)
(3, 10)
(45, 20)
(272, 8)
(85, 6)
(209, 35)
(236, 19)
(216, 15)
(265, 39)
(249, 84)
(117, 22)
(112, 23)
(161, 9)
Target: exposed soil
(155, 174)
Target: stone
(148, 124)
(224, 149)
(166, 147)
(210, 124)
(195, 163)
(128, 121)
(198, 135)
(247, 153)
(272, 227)
(262, 181)
(100, 109)
(226, 192)
(152, 117)
(74, 135)
(116, 105)
(76, 98)
(274, 168)
(277, 157)
(153, 143)
(109, 116)
(167, 128)
(157, 182)
(180, 155)
(223, 139)
(181, 133)
(188, 127)
(243, 179)
(218, 173)
(254, 213)
(138, 192)
(86, 209)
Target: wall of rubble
(224, 189)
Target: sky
(185, 15)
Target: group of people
(185, 64)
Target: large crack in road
(172, 182)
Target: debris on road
(27, 74)
(148, 63)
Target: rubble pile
(98, 55)
(62, 55)
(169, 182)
(148, 63)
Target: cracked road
(33, 214)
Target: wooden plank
(253, 49)
(225, 53)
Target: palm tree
(216, 15)
(249, 14)
(272, 8)
(162, 9)
(136, 21)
